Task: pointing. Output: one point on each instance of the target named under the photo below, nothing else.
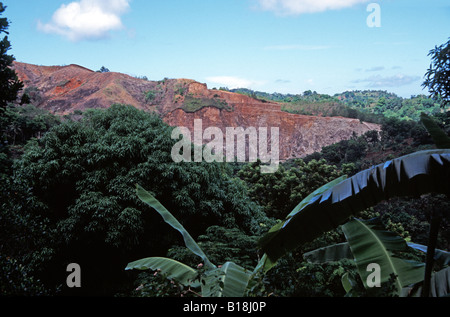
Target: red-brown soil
(64, 89)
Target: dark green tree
(437, 78)
(103, 69)
(10, 85)
(83, 176)
(281, 191)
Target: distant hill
(367, 105)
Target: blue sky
(285, 46)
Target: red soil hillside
(64, 89)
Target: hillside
(65, 89)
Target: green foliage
(82, 174)
(157, 284)
(410, 218)
(9, 88)
(25, 240)
(173, 269)
(401, 269)
(222, 245)
(20, 231)
(227, 280)
(347, 151)
(368, 105)
(174, 223)
(294, 276)
(150, 95)
(371, 243)
(323, 280)
(21, 123)
(281, 191)
(103, 69)
(10, 85)
(31, 95)
(395, 131)
(383, 104)
(437, 76)
(68, 196)
(440, 137)
(15, 280)
(180, 89)
(418, 173)
(193, 104)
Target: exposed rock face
(63, 89)
(299, 135)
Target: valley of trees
(68, 195)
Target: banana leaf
(228, 280)
(235, 280)
(341, 251)
(269, 262)
(175, 270)
(349, 284)
(330, 253)
(411, 175)
(440, 138)
(439, 285)
(372, 244)
(172, 221)
(440, 256)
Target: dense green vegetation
(68, 195)
(193, 104)
(9, 83)
(82, 175)
(368, 105)
(436, 77)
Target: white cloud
(375, 69)
(294, 7)
(283, 81)
(296, 47)
(232, 82)
(388, 81)
(87, 19)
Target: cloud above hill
(295, 7)
(233, 82)
(87, 19)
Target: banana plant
(368, 242)
(332, 205)
(339, 251)
(440, 138)
(227, 280)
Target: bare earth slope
(64, 89)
